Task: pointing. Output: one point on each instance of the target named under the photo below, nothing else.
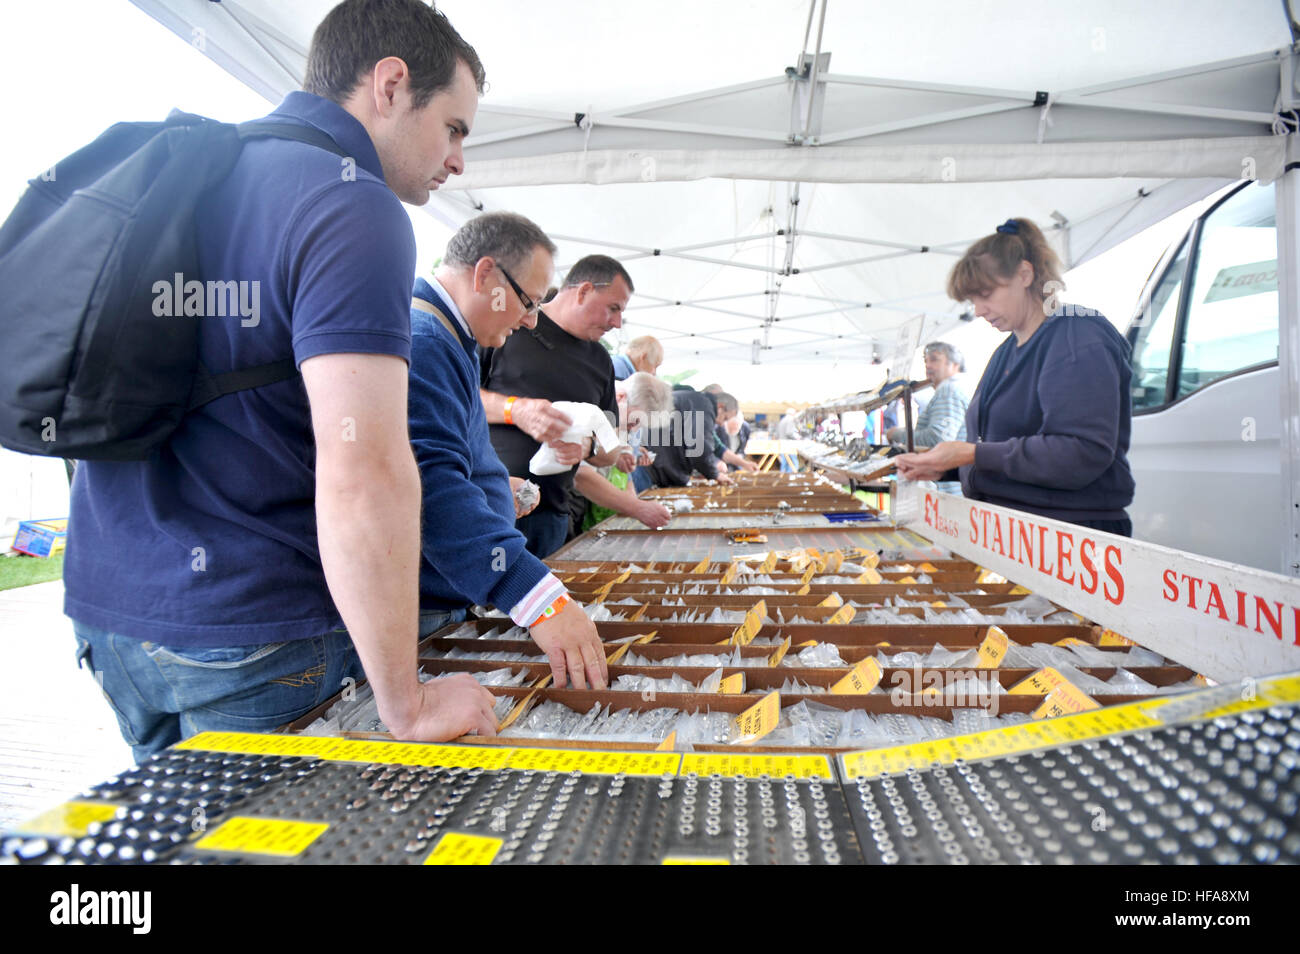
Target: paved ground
(57, 734)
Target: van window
(1233, 308)
(1156, 336)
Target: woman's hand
(931, 464)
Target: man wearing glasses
(561, 359)
(495, 270)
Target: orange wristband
(506, 410)
(560, 602)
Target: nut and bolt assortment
(1220, 791)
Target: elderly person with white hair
(643, 354)
(944, 417)
(642, 399)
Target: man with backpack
(269, 550)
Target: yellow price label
(988, 576)
(729, 574)
(1039, 683)
(1071, 641)
(702, 566)
(69, 819)
(774, 660)
(640, 611)
(733, 685)
(1111, 638)
(1019, 590)
(832, 600)
(744, 633)
(618, 654)
(869, 575)
(861, 679)
(803, 590)
(768, 565)
(809, 573)
(758, 720)
(869, 559)
(262, 836)
(454, 848)
(993, 649)
(669, 743)
(842, 616)
(1065, 699)
(928, 568)
(906, 579)
(834, 560)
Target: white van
(1206, 448)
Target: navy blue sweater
(1052, 421)
(471, 551)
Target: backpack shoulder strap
(432, 309)
(209, 387)
(298, 132)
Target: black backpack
(91, 372)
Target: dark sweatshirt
(471, 551)
(1051, 421)
(686, 443)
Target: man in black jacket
(686, 443)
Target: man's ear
(389, 85)
(482, 270)
(582, 291)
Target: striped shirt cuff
(547, 590)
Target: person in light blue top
(643, 354)
(944, 417)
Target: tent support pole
(1288, 287)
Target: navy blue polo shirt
(212, 541)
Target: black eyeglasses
(530, 307)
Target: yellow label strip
(1068, 729)
(754, 766)
(594, 763)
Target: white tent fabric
(772, 212)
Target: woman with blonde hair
(1048, 426)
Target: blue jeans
(544, 531)
(163, 694)
(433, 620)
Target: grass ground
(23, 570)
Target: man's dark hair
(599, 270)
(504, 236)
(357, 34)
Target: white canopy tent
(791, 180)
(754, 203)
